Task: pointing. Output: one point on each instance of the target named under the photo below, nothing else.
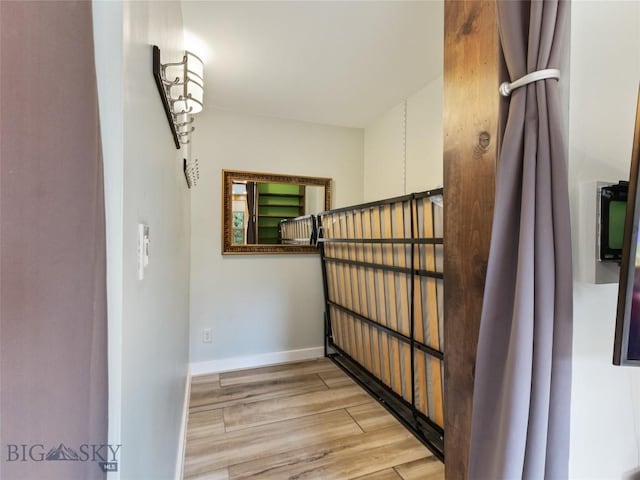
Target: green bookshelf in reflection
(277, 202)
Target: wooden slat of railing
(391, 299)
(385, 298)
(371, 296)
(335, 326)
(434, 324)
(349, 286)
(380, 297)
(344, 286)
(297, 230)
(355, 290)
(341, 339)
(354, 323)
(330, 271)
(420, 378)
(440, 303)
(400, 260)
(403, 304)
(358, 255)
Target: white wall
(108, 37)
(403, 147)
(384, 155)
(605, 70)
(424, 137)
(385, 148)
(259, 304)
(148, 320)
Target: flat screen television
(613, 212)
(626, 349)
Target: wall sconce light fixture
(181, 88)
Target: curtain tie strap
(506, 88)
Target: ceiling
(331, 62)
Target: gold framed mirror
(254, 204)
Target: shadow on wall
(632, 474)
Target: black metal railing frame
(431, 434)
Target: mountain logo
(105, 455)
(61, 452)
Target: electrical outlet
(207, 335)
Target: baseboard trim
(253, 361)
(182, 440)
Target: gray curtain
(53, 318)
(520, 425)
(252, 223)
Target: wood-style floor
(302, 421)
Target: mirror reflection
(270, 213)
(259, 208)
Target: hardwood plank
(336, 460)
(210, 378)
(336, 379)
(471, 133)
(359, 442)
(204, 424)
(276, 371)
(217, 475)
(372, 416)
(388, 474)
(277, 409)
(252, 392)
(429, 468)
(232, 448)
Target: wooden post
(472, 103)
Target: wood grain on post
(472, 69)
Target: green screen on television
(617, 213)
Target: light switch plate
(207, 335)
(143, 249)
